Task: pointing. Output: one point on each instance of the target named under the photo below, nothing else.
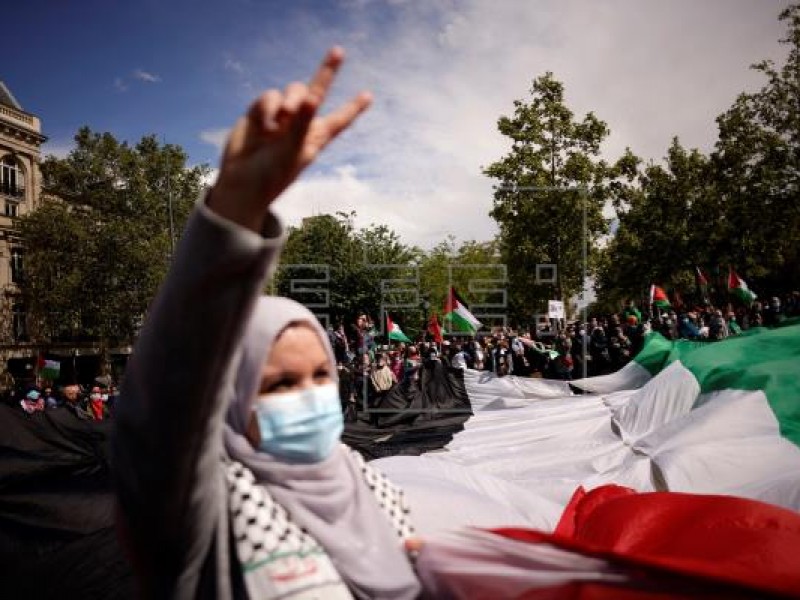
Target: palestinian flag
(613, 543)
(703, 418)
(755, 370)
(394, 332)
(50, 370)
(435, 329)
(738, 288)
(702, 283)
(659, 297)
(457, 312)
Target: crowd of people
(93, 402)
(368, 368)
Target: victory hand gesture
(280, 135)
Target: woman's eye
(278, 386)
(321, 374)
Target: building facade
(20, 186)
(21, 140)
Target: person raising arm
(229, 476)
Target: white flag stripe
(528, 447)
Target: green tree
(549, 149)
(739, 206)
(757, 163)
(474, 268)
(663, 228)
(99, 244)
(327, 252)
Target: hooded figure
(304, 469)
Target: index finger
(321, 81)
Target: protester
(215, 373)
(50, 399)
(459, 357)
(687, 327)
(382, 377)
(73, 401)
(97, 404)
(630, 310)
(411, 365)
(32, 402)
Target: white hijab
(330, 499)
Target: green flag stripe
(655, 352)
(768, 360)
(761, 359)
(458, 322)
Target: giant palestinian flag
(57, 533)
(457, 313)
(711, 421)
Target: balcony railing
(15, 114)
(15, 191)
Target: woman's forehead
(297, 345)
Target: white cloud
(120, 85)
(142, 75)
(234, 65)
(443, 72)
(215, 137)
(423, 215)
(210, 177)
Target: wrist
(231, 205)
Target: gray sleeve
(168, 436)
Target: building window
(17, 272)
(12, 209)
(12, 182)
(19, 322)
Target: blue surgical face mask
(302, 426)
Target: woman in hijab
(231, 481)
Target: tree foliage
(661, 232)
(99, 245)
(739, 206)
(339, 271)
(556, 154)
(757, 169)
(336, 269)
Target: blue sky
(442, 71)
(150, 66)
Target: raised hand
(280, 135)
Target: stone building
(20, 193)
(20, 185)
(20, 182)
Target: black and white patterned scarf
(281, 559)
